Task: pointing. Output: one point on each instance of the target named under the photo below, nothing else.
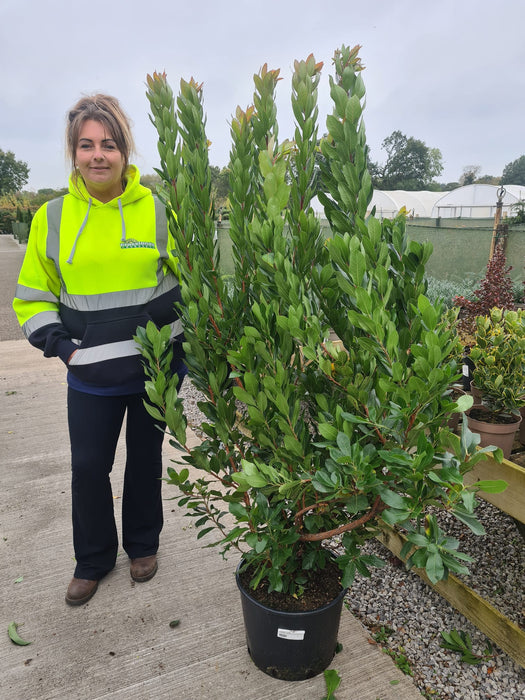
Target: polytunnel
(389, 202)
(476, 202)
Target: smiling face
(99, 161)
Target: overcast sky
(448, 72)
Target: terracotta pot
(477, 395)
(521, 434)
(498, 434)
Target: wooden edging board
(498, 628)
(510, 501)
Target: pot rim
(286, 613)
(481, 407)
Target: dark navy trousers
(95, 423)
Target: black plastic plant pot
(291, 646)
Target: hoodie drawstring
(70, 259)
(122, 217)
(83, 226)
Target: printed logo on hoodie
(132, 243)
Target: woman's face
(99, 161)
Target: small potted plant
(494, 290)
(498, 355)
(309, 446)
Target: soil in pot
(296, 644)
(481, 413)
(323, 586)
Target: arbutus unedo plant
(309, 445)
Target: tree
(488, 180)
(36, 199)
(470, 174)
(14, 174)
(514, 173)
(410, 165)
(519, 214)
(150, 181)
(220, 185)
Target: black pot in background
(291, 646)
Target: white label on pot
(296, 635)
(465, 370)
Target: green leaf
(428, 312)
(293, 445)
(153, 412)
(243, 396)
(348, 575)
(357, 267)
(234, 534)
(461, 643)
(251, 475)
(204, 531)
(393, 499)
(491, 486)
(464, 402)
(344, 443)
(333, 681)
(353, 109)
(393, 516)
(328, 431)
(470, 521)
(417, 539)
(12, 631)
(321, 482)
(434, 567)
(238, 510)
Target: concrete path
(120, 645)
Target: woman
(99, 263)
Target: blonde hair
(107, 111)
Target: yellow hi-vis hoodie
(92, 273)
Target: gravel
(396, 604)
(406, 617)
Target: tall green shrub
(308, 444)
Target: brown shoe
(143, 568)
(80, 590)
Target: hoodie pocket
(107, 354)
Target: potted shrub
(499, 359)
(309, 445)
(494, 290)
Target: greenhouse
(389, 203)
(476, 202)
(417, 204)
(468, 202)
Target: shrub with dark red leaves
(495, 290)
